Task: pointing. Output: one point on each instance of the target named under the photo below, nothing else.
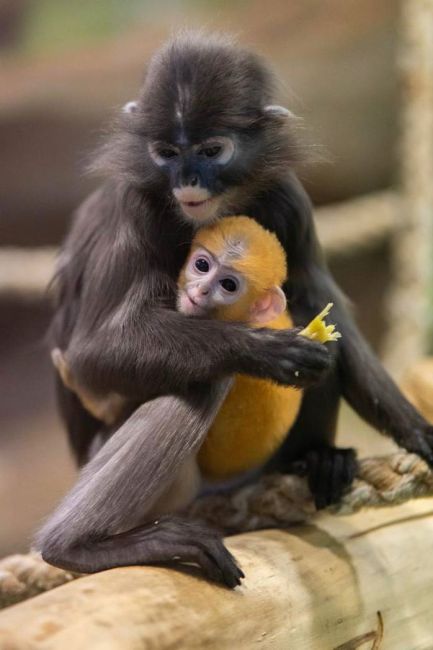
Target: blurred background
(66, 67)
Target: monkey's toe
(220, 565)
(186, 541)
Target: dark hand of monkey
(419, 442)
(286, 358)
(330, 472)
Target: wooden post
(341, 583)
(412, 243)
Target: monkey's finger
(221, 557)
(350, 467)
(210, 569)
(298, 376)
(421, 443)
(337, 483)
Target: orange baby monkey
(235, 272)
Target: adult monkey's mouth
(195, 204)
(189, 194)
(200, 211)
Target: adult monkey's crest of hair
(203, 82)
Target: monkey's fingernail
(297, 373)
(156, 522)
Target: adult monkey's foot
(183, 541)
(166, 540)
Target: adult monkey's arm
(358, 375)
(163, 352)
(119, 335)
(367, 386)
(373, 394)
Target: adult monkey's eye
(229, 284)
(162, 153)
(202, 265)
(167, 153)
(211, 151)
(219, 149)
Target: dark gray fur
(115, 318)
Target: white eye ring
(155, 149)
(227, 149)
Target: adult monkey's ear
(279, 112)
(268, 307)
(130, 107)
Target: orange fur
(256, 414)
(251, 424)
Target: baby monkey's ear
(268, 307)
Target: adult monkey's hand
(285, 357)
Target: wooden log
(338, 584)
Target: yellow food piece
(318, 330)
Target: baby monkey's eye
(229, 284)
(202, 265)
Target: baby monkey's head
(234, 272)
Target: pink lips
(194, 204)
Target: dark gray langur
(202, 140)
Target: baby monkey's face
(207, 284)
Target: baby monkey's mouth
(189, 305)
(191, 299)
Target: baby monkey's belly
(251, 424)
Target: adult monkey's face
(195, 170)
(203, 132)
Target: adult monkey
(202, 140)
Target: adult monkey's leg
(310, 450)
(99, 524)
(81, 426)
